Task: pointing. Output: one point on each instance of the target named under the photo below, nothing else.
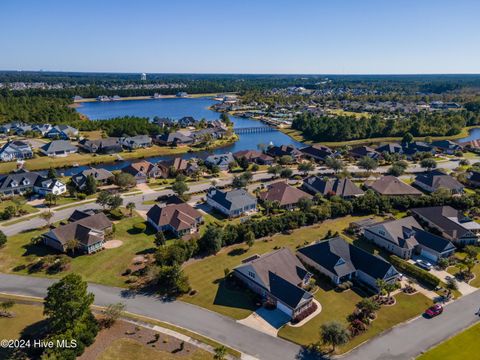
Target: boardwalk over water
(254, 130)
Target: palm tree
(72, 245)
(47, 216)
(334, 333)
(130, 207)
(381, 284)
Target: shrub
(139, 227)
(305, 313)
(81, 196)
(414, 271)
(116, 214)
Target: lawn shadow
(146, 251)
(236, 252)
(38, 250)
(310, 353)
(232, 294)
(34, 332)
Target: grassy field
(341, 112)
(336, 306)
(28, 208)
(462, 346)
(104, 267)
(206, 276)
(298, 136)
(128, 349)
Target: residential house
(317, 152)
(280, 279)
(433, 180)
(231, 203)
(452, 224)
(220, 160)
(20, 129)
(88, 233)
(364, 151)
(473, 145)
(173, 139)
(446, 146)
(22, 181)
(392, 186)
(283, 194)
(342, 261)
(344, 188)
(187, 121)
(42, 129)
(101, 176)
(282, 150)
(136, 142)
(406, 237)
(15, 150)
(57, 148)
(390, 148)
(180, 219)
(143, 170)
(64, 132)
(254, 156)
(212, 133)
(163, 122)
(473, 178)
(111, 145)
(178, 165)
(410, 149)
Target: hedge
(414, 271)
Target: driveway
(265, 320)
(463, 287)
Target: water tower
(143, 77)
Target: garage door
(284, 308)
(428, 255)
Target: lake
(176, 108)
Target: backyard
(105, 267)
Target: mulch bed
(145, 336)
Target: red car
(434, 310)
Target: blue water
(474, 134)
(176, 108)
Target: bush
(139, 227)
(345, 286)
(116, 214)
(414, 271)
(81, 196)
(305, 313)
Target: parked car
(424, 264)
(434, 310)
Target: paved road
(411, 339)
(215, 326)
(401, 343)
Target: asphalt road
(403, 342)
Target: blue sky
(244, 36)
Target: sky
(243, 36)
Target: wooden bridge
(254, 130)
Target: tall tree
(334, 333)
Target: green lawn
(206, 275)
(26, 317)
(462, 346)
(128, 349)
(25, 207)
(104, 267)
(336, 306)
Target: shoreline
(41, 163)
(297, 136)
(76, 103)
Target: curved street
(403, 342)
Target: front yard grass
(336, 306)
(105, 267)
(206, 276)
(461, 346)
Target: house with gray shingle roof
(220, 160)
(433, 180)
(392, 186)
(231, 203)
(89, 232)
(136, 142)
(101, 176)
(22, 181)
(15, 150)
(405, 237)
(342, 261)
(451, 223)
(64, 132)
(280, 279)
(344, 188)
(110, 145)
(58, 148)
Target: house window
(251, 274)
